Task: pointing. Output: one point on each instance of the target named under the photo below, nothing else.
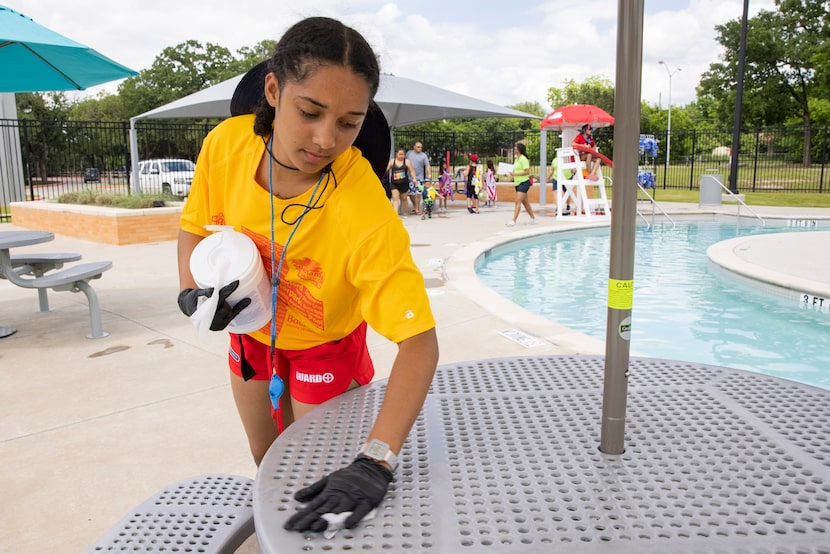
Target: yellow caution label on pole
(620, 294)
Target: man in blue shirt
(420, 162)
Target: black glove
(189, 301)
(357, 488)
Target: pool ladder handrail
(739, 201)
(654, 205)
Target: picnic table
(42, 271)
(13, 239)
(504, 458)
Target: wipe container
(224, 257)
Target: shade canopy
(36, 59)
(407, 101)
(403, 102)
(576, 115)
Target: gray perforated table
(504, 458)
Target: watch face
(377, 449)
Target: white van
(166, 175)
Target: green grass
(787, 199)
(771, 181)
(94, 198)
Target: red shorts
(312, 376)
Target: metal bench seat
(70, 276)
(38, 264)
(209, 514)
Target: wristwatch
(379, 450)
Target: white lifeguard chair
(583, 204)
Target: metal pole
(134, 186)
(543, 162)
(12, 185)
(739, 96)
(668, 132)
(623, 223)
(125, 133)
(27, 157)
(668, 137)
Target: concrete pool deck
(91, 427)
(783, 260)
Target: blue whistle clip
(275, 389)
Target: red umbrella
(576, 115)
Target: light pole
(668, 131)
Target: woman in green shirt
(521, 180)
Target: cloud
(485, 49)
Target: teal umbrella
(34, 59)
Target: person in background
(339, 257)
(554, 183)
(490, 183)
(430, 193)
(473, 184)
(521, 180)
(445, 185)
(401, 173)
(586, 138)
(420, 161)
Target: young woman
(521, 180)
(290, 179)
(401, 173)
(586, 138)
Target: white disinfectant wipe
(224, 257)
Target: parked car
(91, 174)
(120, 173)
(171, 176)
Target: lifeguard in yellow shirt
(290, 179)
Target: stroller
(428, 195)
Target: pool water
(684, 309)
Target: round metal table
(504, 458)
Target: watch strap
(379, 450)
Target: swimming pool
(683, 308)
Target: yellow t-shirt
(348, 260)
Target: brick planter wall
(99, 224)
(122, 226)
(506, 192)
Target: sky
(471, 47)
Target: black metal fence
(771, 159)
(55, 155)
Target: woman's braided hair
(310, 44)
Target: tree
(178, 71)
(786, 66)
(654, 118)
(184, 69)
(483, 125)
(104, 107)
(595, 90)
(48, 133)
(250, 56)
(534, 108)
